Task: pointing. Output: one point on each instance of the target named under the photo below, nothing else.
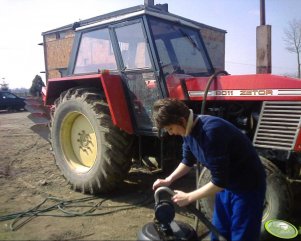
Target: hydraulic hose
(212, 77)
(198, 167)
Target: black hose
(212, 77)
(205, 221)
(198, 166)
(21, 218)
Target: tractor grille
(278, 125)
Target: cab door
(137, 68)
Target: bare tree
(292, 39)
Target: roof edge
(125, 11)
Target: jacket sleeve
(188, 157)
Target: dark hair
(169, 111)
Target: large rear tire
(278, 198)
(92, 153)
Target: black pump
(164, 227)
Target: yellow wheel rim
(78, 141)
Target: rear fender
(58, 85)
(111, 85)
(116, 98)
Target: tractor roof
(157, 10)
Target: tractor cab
(148, 47)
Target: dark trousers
(238, 215)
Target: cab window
(95, 53)
(133, 47)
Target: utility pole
(262, 12)
(263, 44)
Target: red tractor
(104, 74)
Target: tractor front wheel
(92, 153)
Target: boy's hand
(160, 183)
(181, 198)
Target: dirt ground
(29, 176)
(30, 181)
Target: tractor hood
(235, 87)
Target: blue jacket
(226, 152)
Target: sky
(23, 21)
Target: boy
(238, 176)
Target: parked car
(9, 101)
